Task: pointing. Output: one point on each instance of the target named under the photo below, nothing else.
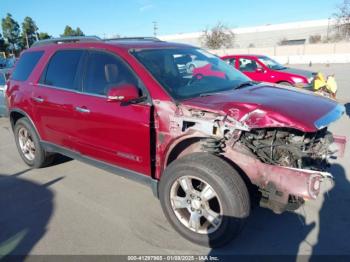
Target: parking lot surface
(72, 208)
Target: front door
(110, 131)
(252, 69)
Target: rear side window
(62, 69)
(25, 65)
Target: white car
(3, 86)
(194, 64)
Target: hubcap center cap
(196, 204)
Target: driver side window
(104, 71)
(248, 65)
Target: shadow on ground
(60, 159)
(333, 237)
(269, 234)
(25, 209)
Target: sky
(106, 18)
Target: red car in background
(264, 69)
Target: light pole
(155, 28)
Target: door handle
(82, 110)
(38, 99)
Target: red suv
(264, 69)
(205, 143)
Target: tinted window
(189, 72)
(62, 69)
(26, 64)
(2, 79)
(104, 71)
(248, 65)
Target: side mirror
(260, 70)
(123, 93)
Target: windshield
(270, 63)
(188, 73)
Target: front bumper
(285, 181)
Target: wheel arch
(191, 145)
(285, 81)
(16, 114)
(181, 148)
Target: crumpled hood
(264, 106)
(300, 72)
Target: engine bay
(290, 147)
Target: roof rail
(137, 38)
(67, 39)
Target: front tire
(28, 145)
(285, 83)
(204, 199)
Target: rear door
(110, 131)
(56, 94)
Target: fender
(17, 110)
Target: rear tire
(28, 145)
(216, 194)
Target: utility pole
(155, 28)
(329, 19)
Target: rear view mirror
(123, 93)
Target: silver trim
(71, 90)
(38, 99)
(82, 110)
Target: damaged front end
(286, 164)
(292, 164)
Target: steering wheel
(195, 78)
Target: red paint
(121, 134)
(266, 74)
(207, 70)
(123, 93)
(283, 106)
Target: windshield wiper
(207, 94)
(280, 68)
(247, 83)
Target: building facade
(266, 35)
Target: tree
(217, 37)
(342, 17)
(3, 45)
(314, 39)
(11, 31)
(78, 32)
(69, 31)
(43, 36)
(29, 32)
(283, 41)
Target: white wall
(298, 54)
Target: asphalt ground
(75, 209)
